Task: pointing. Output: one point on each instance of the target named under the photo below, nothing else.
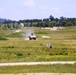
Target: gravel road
(36, 63)
(42, 74)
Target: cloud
(29, 3)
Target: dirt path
(42, 74)
(36, 63)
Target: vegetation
(45, 22)
(14, 47)
(50, 22)
(11, 26)
(58, 68)
(3, 38)
(17, 49)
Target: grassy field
(14, 47)
(67, 68)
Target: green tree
(51, 18)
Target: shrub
(40, 32)
(8, 47)
(3, 38)
(19, 54)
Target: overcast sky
(36, 9)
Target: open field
(14, 47)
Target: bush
(40, 32)
(19, 54)
(58, 53)
(8, 47)
(3, 38)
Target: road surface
(36, 63)
(41, 74)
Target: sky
(36, 9)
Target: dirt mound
(45, 36)
(17, 30)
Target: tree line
(49, 22)
(10, 25)
(45, 22)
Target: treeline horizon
(45, 22)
